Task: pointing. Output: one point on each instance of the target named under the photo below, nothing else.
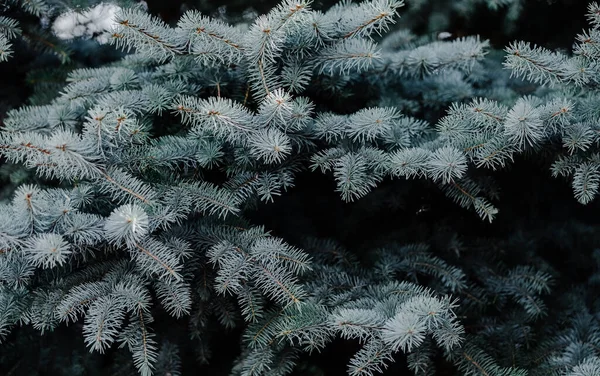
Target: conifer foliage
(146, 167)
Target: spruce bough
(145, 168)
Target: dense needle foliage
(309, 191)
